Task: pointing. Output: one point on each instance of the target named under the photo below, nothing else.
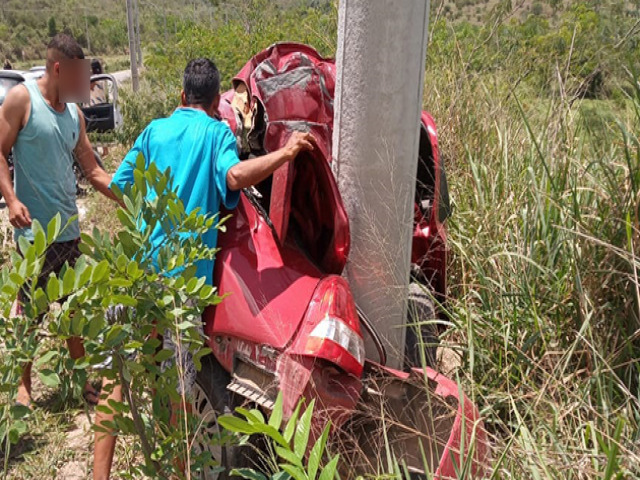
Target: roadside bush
(116, 270)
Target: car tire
(422, 329)
(211, 398)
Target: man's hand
(298, 142)
(19, 215)
(251, 172)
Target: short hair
(66, 47)
(201, 82)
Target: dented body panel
(284, 249)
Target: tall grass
(544, 289)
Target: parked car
(289, 323)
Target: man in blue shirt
(201, 152)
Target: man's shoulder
(16, 105)
(17, 96)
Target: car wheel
(210, 400)
(422, 329)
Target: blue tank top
(43, 155)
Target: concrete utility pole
(135, 80)
(137, 26)
(380, 74)
(86, 26)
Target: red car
(289, 322)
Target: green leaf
(163, 355)
(124, 300)
(53, 289)
(49, 378)
(100, 271)
(77, 325)
(248, 473)
(83, 272)
(46, 358)
(289, 456)
(235, 424)
(316, 453)
(296, 472)
(125, 219)
(275, 420)
(24, 245)
(68, 281)
(303, 429)
(329, 472)
(280, 476)
(94, 327)
(114, 334)
(39, 239)
(53, 229)
(120, 282)
(132, 269)
(291, 424)
(121, 262)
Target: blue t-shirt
(200, 150)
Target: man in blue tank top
(45, 132)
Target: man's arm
(251, 172)
(12, 115)
(90, 168)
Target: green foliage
(117, 270)
(544, 253)
(255, 25)
(586, 46)
(288, 443)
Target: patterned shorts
(182, 356)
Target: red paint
(282, 282)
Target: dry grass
(543, 277)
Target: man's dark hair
(66, 47)
(201, 82)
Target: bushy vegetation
(101, 26)
(116, 270)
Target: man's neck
(196, 107)
(50, 93)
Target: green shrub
(115, 270)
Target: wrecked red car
(289, 322)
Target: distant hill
(477, 11)
(100, 25)
(101, 28)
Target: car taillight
(331, 328)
